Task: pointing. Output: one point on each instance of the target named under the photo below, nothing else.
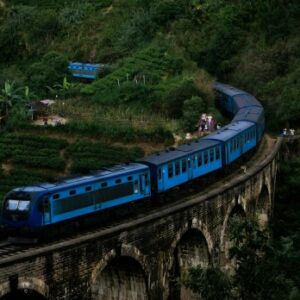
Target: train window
(205, 157)
(56, 196)
(231, 146)
(189, 163)
(12, 204)
(170, 170)
(129, 178)
(211, 154)
(20, 205)
(88, 188)
(104, 184)
(199, 159)
(177, 168)
(118, 180)
(159, 173)
(183, 165)
(217, 153)
(73, 192)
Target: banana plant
(9, 95)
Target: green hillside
(161, 57)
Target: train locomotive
(36, 208)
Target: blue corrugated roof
(79, 64)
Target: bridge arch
(121, 275)
(26, 288)
(237, 208)
(192, 247)
(263, 207)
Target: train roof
(251, 114)
(245, 100)
(177, 153)
(102, 174)
(229, 131)
(227, 89)
(84, 64)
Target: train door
(160, 178)
(241, 143)
(190, 167)
(46, 211)
(227, 152)
(142, 180)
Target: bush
(192, 110)
(175, 92)
(51, 70)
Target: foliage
(210, 283)
(87, 156)
(10, 95)
(192, 109)
(51, 70)
(255, 256)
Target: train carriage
(232, 99)
(236, 138)
(174, 167)
(51, 203)
(254, 115)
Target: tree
(63, 89)
(9, 95)
(192, 110)
(210, 283)
(49, 71)
(264, 269)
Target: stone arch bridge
(144, 259)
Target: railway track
(8, 249)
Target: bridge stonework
(145, 258)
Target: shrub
(49, 71)
(192, 110)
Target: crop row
(55, 163)
(152, 63)
(15, 149)
(90, 156)
(33, 141)
(20, 177)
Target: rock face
(144, 259)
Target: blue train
(45, 205)
(84, 71)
